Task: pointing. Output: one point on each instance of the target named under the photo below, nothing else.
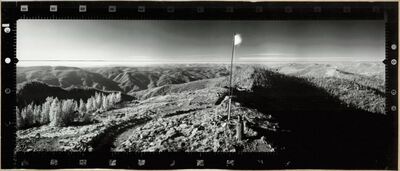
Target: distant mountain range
(66, 77)
(132, 79)
(125, 79)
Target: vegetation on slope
(36, 92)
(67, 112)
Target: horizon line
(119, 64)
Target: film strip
(180, 11)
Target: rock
(200, 128)
(193, 133)
(223, 125)
(151, 134)
(171, 132)
(181, 145)
(144, 135)
(183, 125)
(262, 139)
(37, 136)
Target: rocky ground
(203, 127)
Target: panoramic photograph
(312, 89)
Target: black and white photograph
(312, 89)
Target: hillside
(371, 74)
(361, 85)
(66, 77)
(33, 91)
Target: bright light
(237, 39)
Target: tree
(94, 106)
(118, 97)
(89, 105)
(19, 119)
(99, 100)
(44, 115)
(68, 112)
(76, 106)
(37, 109)
(55, 113)
(105, 104)
(29, 119)
(82, 107)
(111, 100)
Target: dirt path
(119, 139)
(106, 141)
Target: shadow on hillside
(324, 132)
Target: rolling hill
(132, 79)
(66, 77)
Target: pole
(239, 128)
(230, 78)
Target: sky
(130, 42)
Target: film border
(12, 11)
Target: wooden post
(244, 126)
(229, 109)
(239, 129)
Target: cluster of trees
(57, 112)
